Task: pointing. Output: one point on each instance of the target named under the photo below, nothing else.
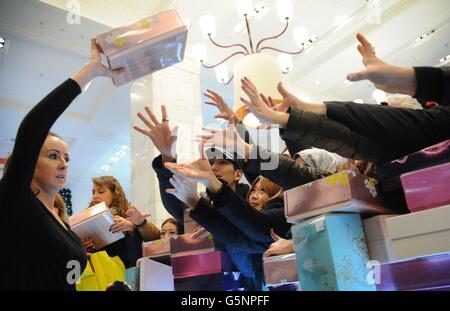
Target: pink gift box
(200, 263)
(427, 188)
(280, 269)
(156, 248)
(144, 46)
(345, 191)
(190, 226)
(184, 244)
(94, 223)
(177, 244)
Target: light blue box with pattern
(331, 254)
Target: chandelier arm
(229, 80)
(273, 37)
(224, 60)
(281, 51)
(228, 46)
(249, 34)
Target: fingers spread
(151, 115)
(145, 120)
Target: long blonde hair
(119, 201)
(273, 190)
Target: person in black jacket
(40, 251)
(243, 226)
(164, 138)
(362, 131)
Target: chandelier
(246, 10)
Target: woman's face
(102, 194)
(50, 174)
(258, 197)
(168, 230)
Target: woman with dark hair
(41, 252)
(169, 228)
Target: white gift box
(421, 233)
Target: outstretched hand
(197, 171)
(227, 139)
(184, 189)
(225, 111)
(160, 133)
(384, 76)
(280, 246)
(260, 107)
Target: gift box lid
(375, 228)
(185, 243)
(279, 258)
(418, 223)
(156, 247)
(427, 188)
(88, 213)
(119, 39)
(345, 191)
(94, 223)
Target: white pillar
(178, 87)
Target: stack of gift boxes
(346, 237)
(183, 263)
(416, 246)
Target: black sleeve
(171, 203)
(253, 223)
(32, 133)
(225, 231)
(281, 170)
(245, 135)
(395, 131)
(316, 130)
(433, 84)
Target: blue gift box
(331, 254)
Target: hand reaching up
(225, 111)
(160, 133)
(386, 77)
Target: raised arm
(37, 123)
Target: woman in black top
(39, 250)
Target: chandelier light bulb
(300, 35)
(199, 52)
(244, 7)
(208, 26)
(285, 62)
(222, 73)
(284, 9)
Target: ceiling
(43, 48)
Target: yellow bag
(106, 270)
(88, 280)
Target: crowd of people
(246, 219)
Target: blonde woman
(108, 189)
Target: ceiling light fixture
(246, 10)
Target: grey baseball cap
(219, 153)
